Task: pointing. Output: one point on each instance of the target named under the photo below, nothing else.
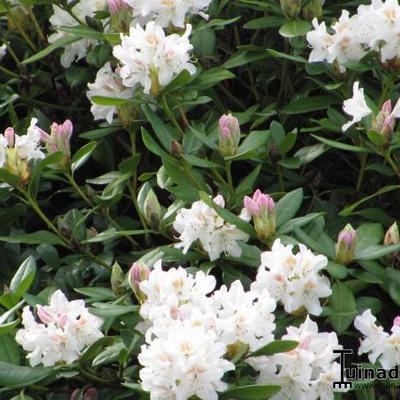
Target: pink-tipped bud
(385, 121)
(346, 245)
(116, 6)
(138, 273)
(387, 107)
(262, 208)
(9, 134)
(59, 140)
(121, 17)
(44, 315)
(229, 135)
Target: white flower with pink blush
(295, 280)
(201, 223)
(65, 330)
(308, 371)
(379, 345)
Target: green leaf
(9, 349)
(297, 222)
(343, 307)
(376, 138)
(349, 209)
(38, 169)
(375, 252)
(265, 22)
(308, 104)
(256, 140)
(105, 310)
(368, 235)
(24, 277)
(288, 205)
(287, 144)
(82, 31)
(82, 155)
(14, 376)
(247, 184)
(343, 146)
(250, 392)
(38, 237)
(317, 245)
(162, 131)
(108, 101)
(8, 178)
(295, 28)
(285, 56)
(277, 346)
(48, 50)
(204, 41)
(337, 271)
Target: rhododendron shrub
(199, 199)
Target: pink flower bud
(44, 315)
(346, 245)
(229, 135)
(262, 208)
(251, 206)
(396, 321)
(115, 6)
(10, 136)
(387, 107)
(59, 140)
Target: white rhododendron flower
(374, 27)
(308, 371)
(151, 59)
(187, 361)
(107, 84)
(175, 295)
(356, 107)
(320, 41)
(167, 12)
(184, 353)
(202, 223)
(27, 146)
(78, 49)
(244, 317)
(378, 344)
(64, 331)
(293, 279)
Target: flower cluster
(166, 13)
(374, 27)
(151, 59)
(183, 356)
(293, 279)
(378, 344)
(16, 152)
(26, 147)
(64, 331)
(202, 223)
(308, 371)
(192, 330)
(75, 50)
